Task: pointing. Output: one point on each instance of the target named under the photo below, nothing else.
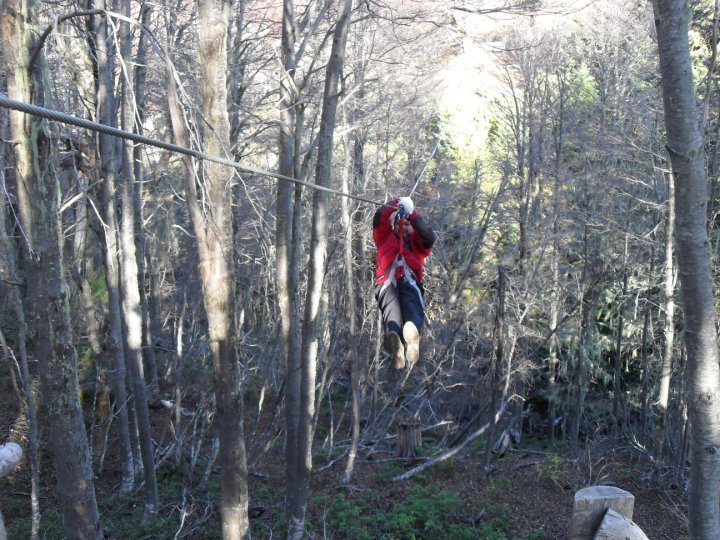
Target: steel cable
(56, 116)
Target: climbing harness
(63, 118)
(407, 273)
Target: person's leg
(413, 315)
(388, 299)
(389, 302)
(412, 306)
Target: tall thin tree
(132, 309)
(685, 147)
(318, 255)
(215, 248)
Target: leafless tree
(684, 145)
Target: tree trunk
(618, 405)
(132, 309)
(318, 251)
(645, 392)
(685, 146)
(495, 366)
(215, 247)
(106, 114)
(555, 298)
(582, 366)
(351, 308)
(287, 252)
(667, 358)
(9, 274)
(147, 299)
(88, 313)
(39, 212)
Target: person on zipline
(404, 240)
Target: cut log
(615, 525)
(10, 455)
(590, 506)
(409, 438)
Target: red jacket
(414, 249)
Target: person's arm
(382, 215)
(381, 223)
(422, 227)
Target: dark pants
(400, 303)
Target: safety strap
(399, 262)
(408, 277)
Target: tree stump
(409, 438)
(590, 506)
(615, 526)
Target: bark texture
(132, 308)
(39, 213)
(106, 113)
(214, 237)
(685, 146)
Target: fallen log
(450, 453)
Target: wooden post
(590, 506)
(409, 438)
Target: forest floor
(528, 494)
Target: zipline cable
(63, 118)
(419, 176)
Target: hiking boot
(412, 342)
(394, 348)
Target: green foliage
(389, 470)
(585, 86)
(446, 465)
(51, 525)
(500, 516)
(478, 445)
(487, 532)
(9, 322)
(536, 534)
(499, 484)
(122, 517)
(623, 473)
(85, 362)
(98, 286)
(265, 495)
(555, 468)
(343, 515)
(424, 512)
(425, 515)
(536, 443)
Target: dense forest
(191, 346)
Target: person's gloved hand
(405, 206)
